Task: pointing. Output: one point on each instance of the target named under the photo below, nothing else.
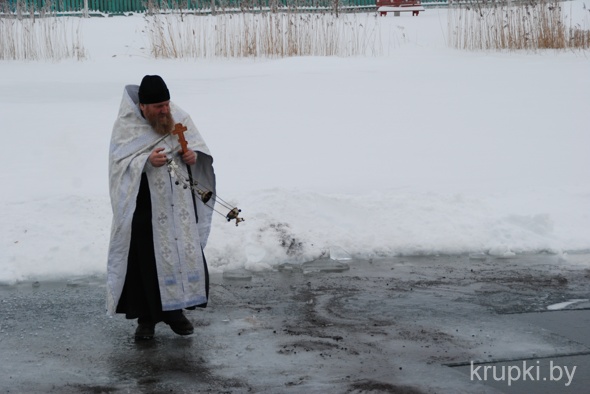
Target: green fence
(75, 6)
(130, 6)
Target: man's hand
(158, 159)
(189, 157)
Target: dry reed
(498, 25)
(30, 34)
(262, 35)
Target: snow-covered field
(422, 150)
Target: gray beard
(162, 125)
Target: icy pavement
(402, 325)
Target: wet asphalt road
(401, 325)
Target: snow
(563, 305)
(421, 150)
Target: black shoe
(180, 325)
(144, 331)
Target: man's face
(158, 115)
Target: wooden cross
(179, 130)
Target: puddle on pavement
(324, 265)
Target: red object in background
(385, 6)
(398, 3)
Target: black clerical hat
(152, 90)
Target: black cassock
(141, 294)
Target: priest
(156, 265)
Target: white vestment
(178, 239)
